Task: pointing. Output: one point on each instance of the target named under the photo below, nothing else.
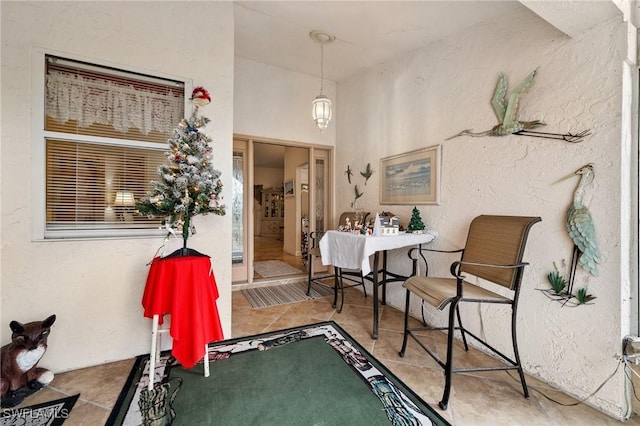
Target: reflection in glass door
(239, 231)
(320, 201)
(237, 254)
(320, 177)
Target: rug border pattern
(382, 382)
(50, 413)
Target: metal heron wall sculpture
(581, 229)
(507, 113)
(579, 225)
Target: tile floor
(477, 398)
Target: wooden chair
(493, 252)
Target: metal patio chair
(493, 252)
(354, 277)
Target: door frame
(247, 141)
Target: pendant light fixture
(321, 107)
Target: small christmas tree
(189, 184)
(415, 224)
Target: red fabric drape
(185, 288)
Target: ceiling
(367, 32)
(372, 32)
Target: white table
(352, 251)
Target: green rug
(310, 375)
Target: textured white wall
(95, 287)
(422, 98)
(268, 177)
(275, 103)
(410, 103)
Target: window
(105, 134)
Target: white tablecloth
(352, 251)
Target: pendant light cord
(321, 67)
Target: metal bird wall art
(581, 228)
(367, 173)
(349, 173)
(357, 194)
(507, 114)
(579, 225)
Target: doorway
(272, 213)
(276, 252)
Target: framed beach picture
(412, 177)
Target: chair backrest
(498, 240)
(315, 238)
(351, 216)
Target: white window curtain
(91, 101)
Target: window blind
(106, 133)
(96, 186)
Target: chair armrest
(421, 249)
(455, 266)
(418, 254)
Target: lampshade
(124, 198)
(321, 111)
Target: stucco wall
(272, 102)
(422, 98)
(95, 287)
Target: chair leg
(335, 287)
(339, 274)
(464, 338)
(364, 288)
(444, 403)
(406, 324)
(514, 338)
(384, 277)
(310, 268)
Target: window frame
(38, 148)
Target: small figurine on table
(416, 226)
(347, 225)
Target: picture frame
(411, 178)
(288, 188)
